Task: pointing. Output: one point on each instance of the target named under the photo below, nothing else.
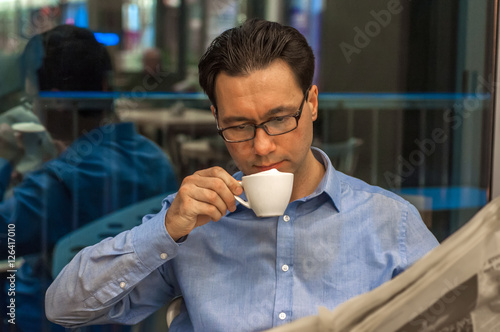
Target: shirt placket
(284, 268)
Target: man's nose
(263, 144)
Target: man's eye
(278, 120)
(242, 127)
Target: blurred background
(406, 87)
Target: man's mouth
(262, 168)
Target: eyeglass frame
(296, 115)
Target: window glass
(405, 86)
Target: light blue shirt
(243, 273)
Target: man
(153, 76)
(339, 237)
(105, 165)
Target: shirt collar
(330, 184)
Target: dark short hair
(69, 59)
(252, 46)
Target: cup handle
(242, 202)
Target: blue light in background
(108, 39)
(76, 14)
(133, 17)
(82, 17)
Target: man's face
(261, 96)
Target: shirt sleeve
(416, 239)
(119, 280)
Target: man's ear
(313, 101)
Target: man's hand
(206, 195)
(11, 144)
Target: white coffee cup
(268, 192)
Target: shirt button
(282, 315)
(286, 218)
(163, 255)
(123, 284)
(284, 267)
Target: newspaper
(455, 287)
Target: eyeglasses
(276, 126)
